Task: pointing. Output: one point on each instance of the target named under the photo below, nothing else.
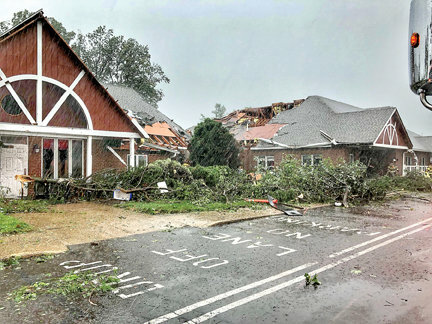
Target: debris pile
(289, 182)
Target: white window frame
(312, 158)
(266, 159)
(56, 155)
(137, 156)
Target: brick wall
(249, 163)
(34, 158)
(104, 159)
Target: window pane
(270, 162)
(307, 159)
(63, 159)
(261, 162)
(77, 171)
(48, 158)
(141, 160)
(317, 159)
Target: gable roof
(39, 16)
(321, 121)
(131, 100)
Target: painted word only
(207, 263)
(238, 240)
(123, 277)
(285, 219)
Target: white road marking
(377, 239)
(115, 291)
(227, 294)
(105, 271)
(130, 279)
(91, 268)
(77, 265)
(123, 275)
(271, 290)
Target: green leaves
(212, 144)
(311, 280)
(70, 285)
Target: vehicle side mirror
(420, 50)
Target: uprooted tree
(111, 58)
(212, 144)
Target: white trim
(328, 137)
(132, 152)
(137, 125)
(273, 142)
(62, 99)
(89, 157)
(29, 130)
(70, 158)
(82, 158)
(39, 74)
(56, 161)
(16, 97)
(326, 144)
(268, 148)
(116, 155)
(55, 82)
(388, 120)
(391, 146)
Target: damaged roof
(131, 100)
(266, 131)
(319, 121)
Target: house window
(48, 158)
(62, 158)
(408, 160)
(140, 160)
(311, 159)
(77, 159)
(265, 162)
(423, 161)
(10, 106)
(351, 158)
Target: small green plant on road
(11, 262)
(71, 285)
(311, 280)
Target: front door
(13, 161)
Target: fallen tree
(290, 182)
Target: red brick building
(319, 128)
(56, 119)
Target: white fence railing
(410, 168)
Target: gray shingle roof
(420, 143)
(131, 100)
(344, 123)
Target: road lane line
(211, 300)
(271, 290)
(355, 247)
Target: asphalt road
(374, 266)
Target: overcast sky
(252, 53)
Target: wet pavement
(375, 265)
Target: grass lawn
(9, 224)
(173, 207)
